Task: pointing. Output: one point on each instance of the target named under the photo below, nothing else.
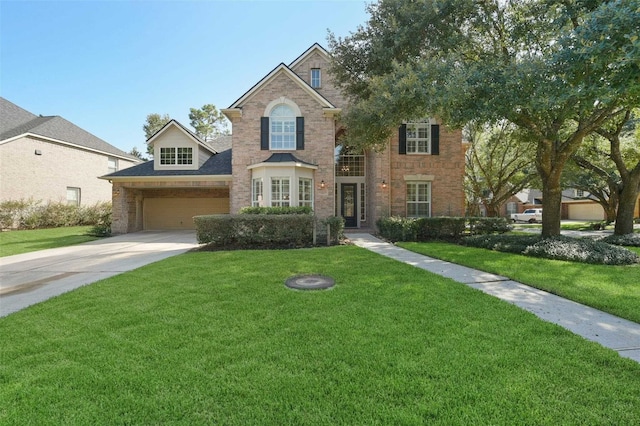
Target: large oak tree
(558, 69)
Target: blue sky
(105, 65)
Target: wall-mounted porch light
(322, 184)
(384, 183)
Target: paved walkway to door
(26, 279)
(610, 331)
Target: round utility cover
(310, 282)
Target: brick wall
(319, 142)
(23, 174)
(446, 170)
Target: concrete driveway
(30, 278)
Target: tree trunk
(626, 207)
(551, 208)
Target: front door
(349, 205)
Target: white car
(529, 215)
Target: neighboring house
(576, 204)
(51, 159)
(285, 150)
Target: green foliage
(265, 230)
(498, 164)
(336, 229)
(529, 63)
(208, 122)
(488, 225)
(134, 151)
(440, 228)
(583, 250)
(30, 214)
(396, 228)
(629, 240)
(277, 210)
(153, 123)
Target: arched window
(282, 128)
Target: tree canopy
(208, 122)
(558, 69)
(153, 123)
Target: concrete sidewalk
(610, 331)
(30, 278)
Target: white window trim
(282, 200)
(257, 192)
(77, 192)
(418, 202)
(416, 140)
(302, 202)
(111, 160)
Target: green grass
(613, 289)
(17, 242)
(216, 338)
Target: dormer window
(316, 80)
(172, 156)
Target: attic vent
(38, 152)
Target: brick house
(51, 159)
(285, 150)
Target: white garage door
(177, 213)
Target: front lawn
(613, 289)
(216, 338)
(24, 241)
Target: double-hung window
(283, 128)
(305, 192)
(418, 138)
(280, 192)
(418, 199)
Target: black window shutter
(299, 133)
(264, 133)
(435, 139)
(402, 139)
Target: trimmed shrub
(277, 210)
(629, 240)
(396, 228)
(255, 230)
(583, 250)
(440, 228)
(336, 229)
(488, 225)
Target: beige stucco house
(285, 150)
(51, 159)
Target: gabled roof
(282, 69)
(16, 122)
(174, 123)
(315, 48)
(218, 165)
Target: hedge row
(31, 214)
(396, 228)
(266, 230)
